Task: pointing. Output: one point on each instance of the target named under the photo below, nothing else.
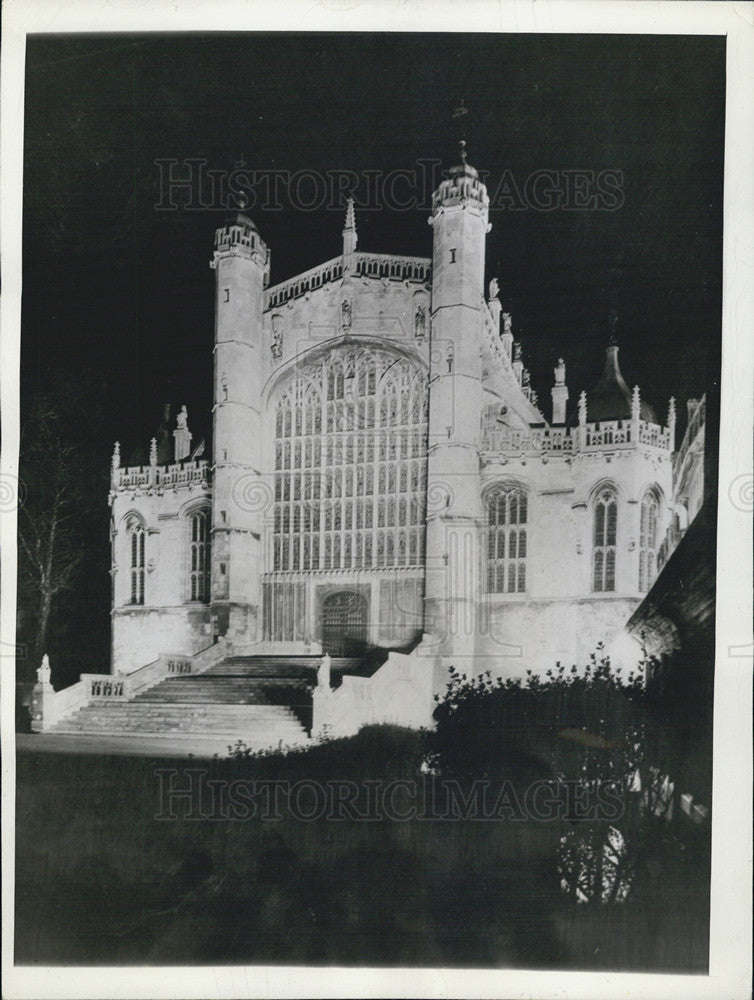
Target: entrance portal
(344, 623)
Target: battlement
(367, 265)
(159, 478)
(592, 437)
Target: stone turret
(460, 223)
(241, 264)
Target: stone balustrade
(399, 693)
(307, 281)
(157, 478)
(384, 265)
(367, 265)
(597, 436)
(50, 706)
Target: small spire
(635, 403)
(116, 456)
(153, 451)
(350, 214)
(582, 409)
(350, 236)
(671, 423)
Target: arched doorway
(344, 623)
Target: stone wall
(141, 634)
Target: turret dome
(610, 399)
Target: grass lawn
(101, 879)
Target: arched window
(603, 544)
(135, 531)
(650, 508)
(199, 555)
(361, 414)
(507, 512)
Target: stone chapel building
(380, 469)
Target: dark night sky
(118, 297)
(114, 285)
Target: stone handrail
(400, 692)
(160, 477)
(50, 706)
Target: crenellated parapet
(158, 479)
(589, 438)
(382, 266)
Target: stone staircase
(263, 701)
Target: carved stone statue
(346, 312)
(494, 288)
(560, 372)
(323, 672)
(277, 338)
(43, 672)
(420, 322)
(182, 419)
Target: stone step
(223, 738)
(267, 723)
(304, 667)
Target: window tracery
(350, 461)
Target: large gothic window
(603, 544)
(350, 464)
(507, 512)
(135, 534)
(199, 561)
(650, 508)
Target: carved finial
(671, 409)
(350, 214)
(350, 236)
(560, 372)
(153, 451)
(494, 289)
(116, 456)
(582, 409)
(635, 403)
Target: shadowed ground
(101, 880)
